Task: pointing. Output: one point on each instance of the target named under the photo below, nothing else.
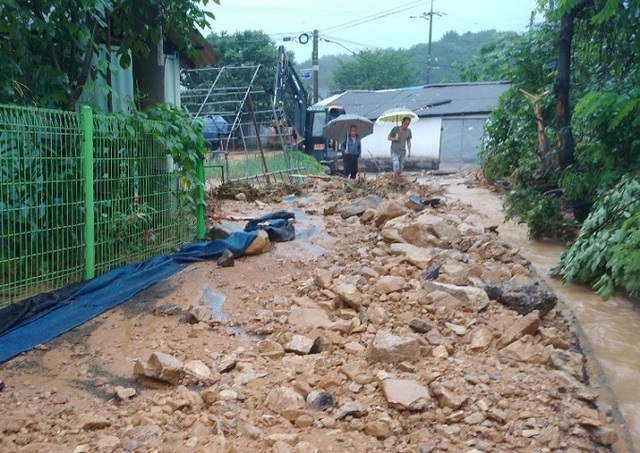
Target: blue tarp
(34, 326)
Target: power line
(376, 16)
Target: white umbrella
(395, 116)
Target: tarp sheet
(43, 318)
(276, 225)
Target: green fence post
(87, 183)
(200, 202)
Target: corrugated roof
(430, 100)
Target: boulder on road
(389, 348)
(160, 366)
(523, 298)
(359, 206)
(388, 210)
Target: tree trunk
(562, 86)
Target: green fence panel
(61, 170)
(41, 204)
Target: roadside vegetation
(572, 172)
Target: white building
(447, 134)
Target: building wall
(425, 142)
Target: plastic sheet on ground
(42, 318)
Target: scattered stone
(284, 399)
(1, 385)
(432, 272)
(349, 294)
(523, 298)
(226, 363)
(368, 216)
(406, 394)
(309, 318)
(319, 401)
(388, 210)
(418, 256)
(304, 421)
(377, 316)
(198, 371)
(92, 422)
(270, 348)
(352, 409)
(380, 429)
(124, 394)
(457, 329)
(604, 435)
(251, 431)
(167, 310)
(323, 278)
(524, 350)
(194, 315)
(240, 196)
(420, 325)
(389, 284)
(209, 395)
(109, 442)
(471, 297)
(481, 339)
(527, 325)
(160, 366)
(305, 447)
(475, 419)
(288, 439)
(447, 232)
(440, 352)
(448, 398)
(419, 234)
(227, 259)
(146, 436)
(259, 245)
(389, 348)
(569, 362)
(359, 206)
(414, 202)
(299, 344)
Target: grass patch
(251, 164)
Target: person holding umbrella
(400, 137)
(351, 148)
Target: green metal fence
(81, 194)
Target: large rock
(481, 338)
(359, 206)
(406, 395)
(569, 362)
(299, 344)
(419, 234)
(198, 370)
(319, 401)
(259, 245)
(160, 366)
(453, 399)
(388, 210)
(352, 409)
(525, 350)
(283, 400)
(523, 298)
(309, 318)
(349, 294)
(527, 325)
(194, 315)
(389, 284)
(471, 297)
(420, 257)
(447, 232)
(389, 348)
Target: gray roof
(431, 100)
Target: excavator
(306, 128)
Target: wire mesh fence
(79, 195)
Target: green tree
(375, 70)
(47, 46)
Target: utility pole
(314, 65)
(429, 16)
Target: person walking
(400, 137)
(351, 148)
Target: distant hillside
(448, 55)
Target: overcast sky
(366, 24)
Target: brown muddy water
(611, 328)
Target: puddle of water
(237, 331)
(215, 301)
(611, 328)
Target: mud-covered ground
(370, 332)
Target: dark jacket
(354, 148)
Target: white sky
(337, 20)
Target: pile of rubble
(420, 331)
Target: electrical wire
(376, 16)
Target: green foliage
(182, 139)
(48, 47)
(606, 254)
(375, 70)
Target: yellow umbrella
(396, 115)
